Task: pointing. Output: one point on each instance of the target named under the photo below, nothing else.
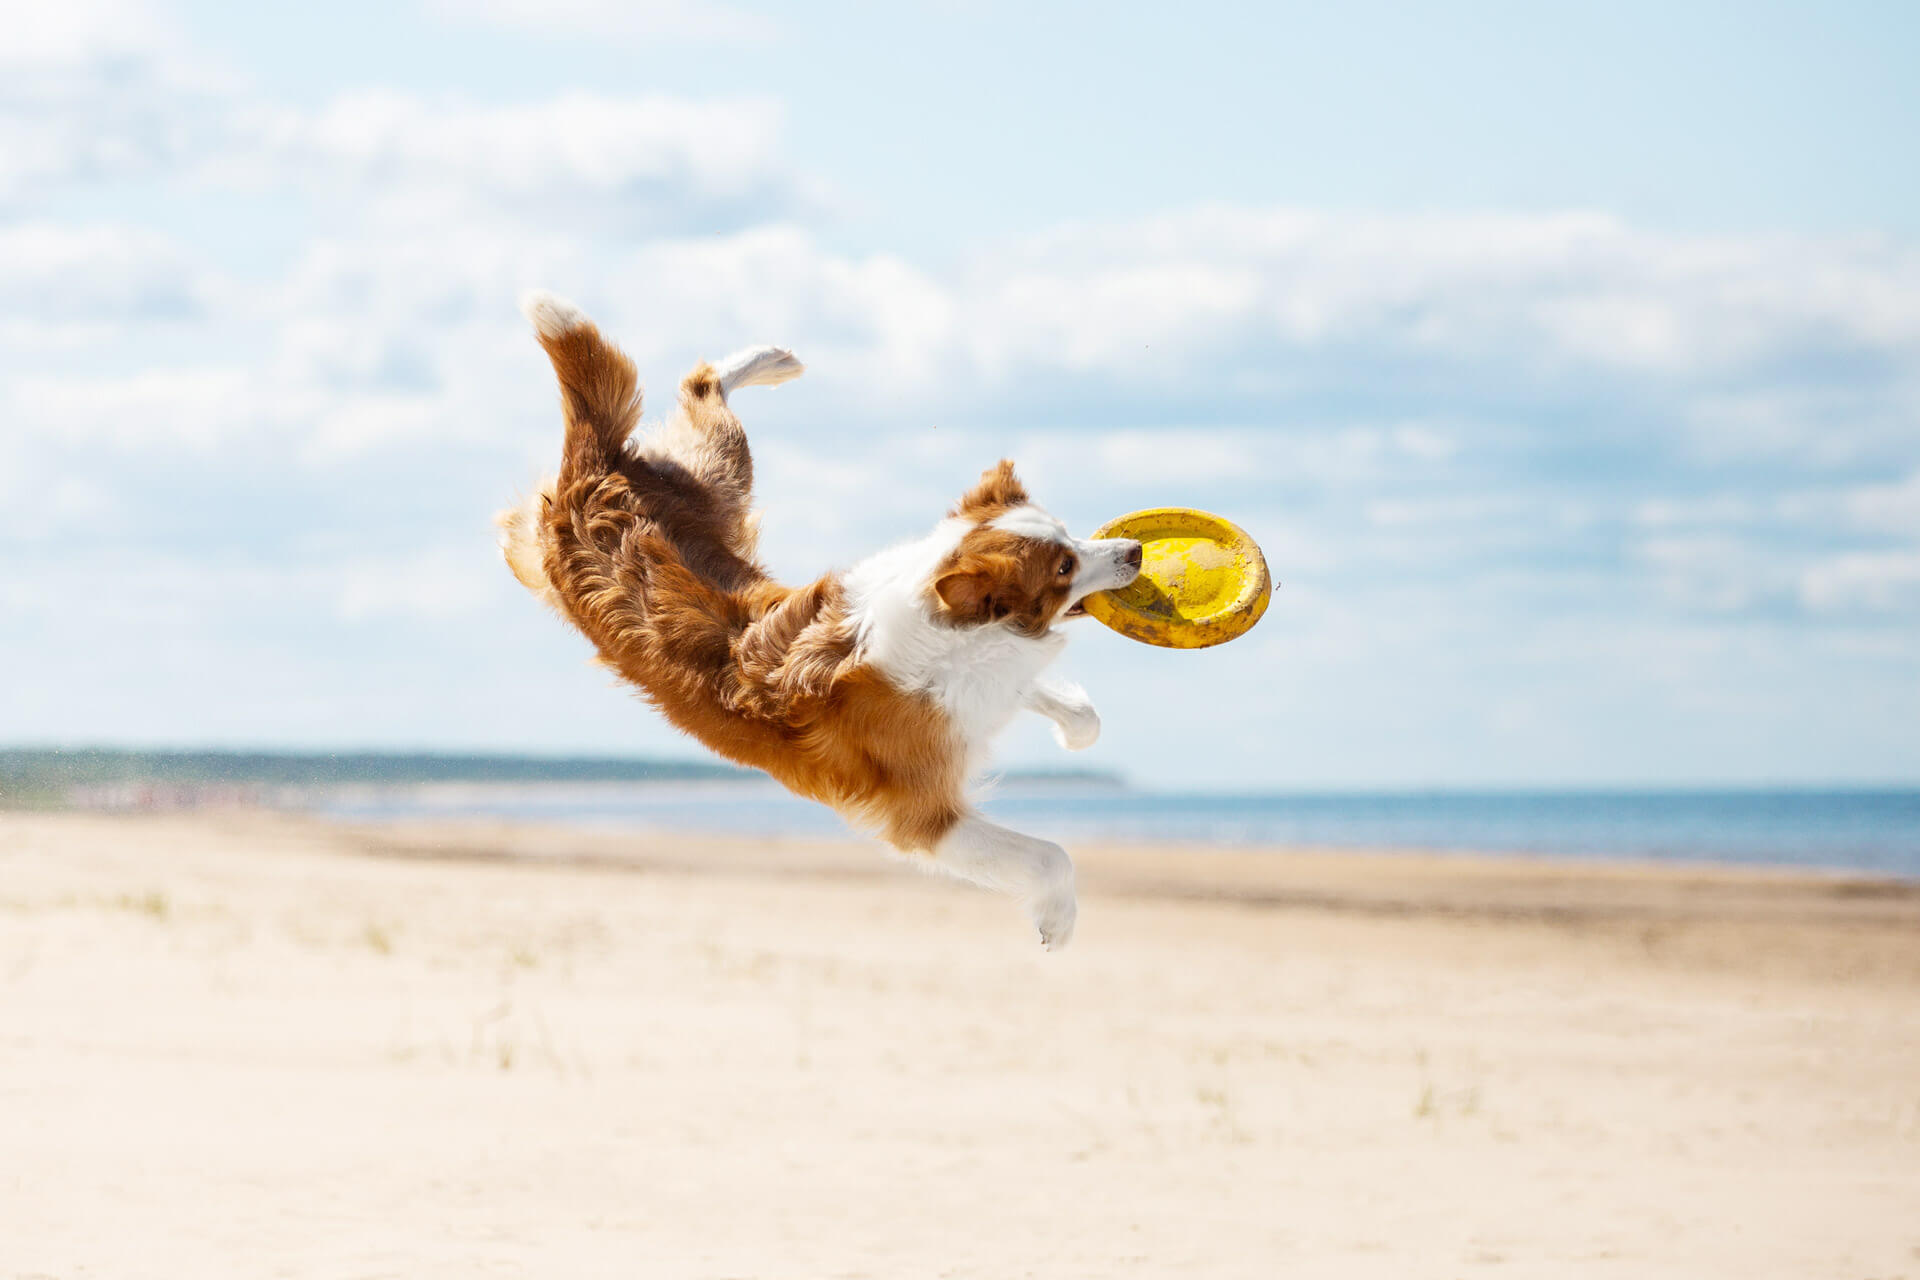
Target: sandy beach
(247, 1044)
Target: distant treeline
(43, 775)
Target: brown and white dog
(875, 691)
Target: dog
(877, 690)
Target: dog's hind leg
(706, 440)
(1036, 872)
(757, 367)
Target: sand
(255, 1045)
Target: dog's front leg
(1076, 725)
(1036, 872)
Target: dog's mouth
(1077, 609)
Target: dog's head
(1018, 565)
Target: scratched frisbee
(1202, 580)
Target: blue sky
(1567, 363)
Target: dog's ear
(981, 589)
(998, 490)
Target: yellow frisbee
(1202, 580)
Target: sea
(1861, 830)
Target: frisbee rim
(1229, 622)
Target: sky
(1564, 359)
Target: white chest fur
(978, 675)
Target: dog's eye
(1066, 566)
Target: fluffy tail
(600, 396)
(598, 388)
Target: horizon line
(1598, 787)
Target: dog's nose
(1133, 555)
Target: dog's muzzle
(1123, 568)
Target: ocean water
(1865, 830)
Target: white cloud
(615, 19)
(153, 409)
(572, 148)
(62, 129)
(1425, 441)
(1109, 315)
(1463, 509)
(63, 277)
(435, 584)
(1820, 420)
(1708, 510)
(1328, 456)
(99, 92)
(1219, 313)
(871, 321)
(1864, 581)
(1714, 572)
(76, 32)
(1580, 288)
(1887, 508)
(36, 509)
(100, 88)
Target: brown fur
(649, 551)
(999, 491)
(994, 575)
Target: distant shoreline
(114, 778)
(40, 767)
(1874, 831)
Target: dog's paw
(1077, 730)
(757, 367)
(1054, 916)
(1055, 920)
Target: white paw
(1053, 907)
(757, 367)
(1053, 915)
(1078, 730)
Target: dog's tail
(598, 388)
(600, 396)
